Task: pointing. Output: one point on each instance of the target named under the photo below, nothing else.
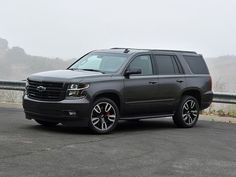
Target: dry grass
(219, 109)
(9, 96)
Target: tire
(104, 115)
(46, 124)
(187, 112)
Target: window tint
(197, 64)
(144, 63)
(166, 65)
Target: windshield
(101, 62)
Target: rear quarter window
(197, 64)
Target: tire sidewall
(100, 100)
(179, 116)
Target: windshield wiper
(73, 69)
(95, 70)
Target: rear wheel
(104, 116)
(46, 124)
(187, 113)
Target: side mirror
(131, 71)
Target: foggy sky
(70, 28)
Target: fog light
(72, 113)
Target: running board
(146, 117)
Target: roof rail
(159, 50)
(181, 51)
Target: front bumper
(58, 111)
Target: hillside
(16, 64)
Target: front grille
(50, 91)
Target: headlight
(26, 86)
(76, 90)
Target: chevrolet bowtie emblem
(41, 88)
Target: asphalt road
(146, 148)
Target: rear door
(171, 81)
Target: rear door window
(167, 65)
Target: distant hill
(16, 64)
(223, 71)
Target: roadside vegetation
(9, 96)
(223, 110)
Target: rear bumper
(206, 100)
(58, 111)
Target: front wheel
(187, 113)
(104, 116)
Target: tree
(3, 44)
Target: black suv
(105, 86)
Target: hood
(63, 75)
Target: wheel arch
(111, 94)
(194, 92)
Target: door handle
(179, 81)
(152, 82)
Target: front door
(140, 89)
